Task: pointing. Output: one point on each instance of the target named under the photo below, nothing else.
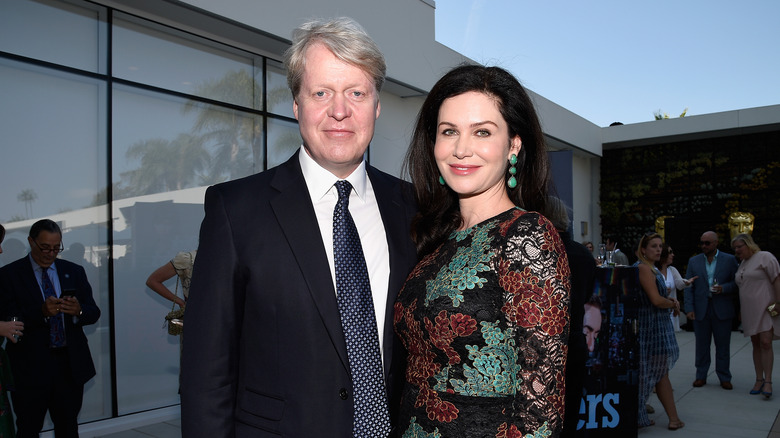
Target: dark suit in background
(583, 274)
(712, 312)
(47, 378)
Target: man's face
(45, 248)
(610, 245)
(709, 243)
(591, 325)
(336, 109)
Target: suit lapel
(294, 211)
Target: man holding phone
(52, 361)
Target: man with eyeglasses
(709, 303)
(51, 363)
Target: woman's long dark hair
(439, 212)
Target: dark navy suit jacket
(20, 295)
(696, 295)
(264, 353)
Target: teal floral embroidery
(493, 365)
(416, 431)
(463, 271)
(441, 379)
(542, 432)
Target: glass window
(280, 100)
(185, 113)
(60, 32)
(156, 55)
(53, 166)
(284, 138)
(167, 150)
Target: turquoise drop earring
(512, 182)
(441, 180)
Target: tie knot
(344, 188)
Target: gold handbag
(175, 318)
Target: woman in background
(484, 315)
(672, 279)
(658, 349)
(181, 265)
(758, 278)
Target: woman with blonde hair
(759, 287)
(658, 349)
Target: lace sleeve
(534, 273)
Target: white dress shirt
(365, 212)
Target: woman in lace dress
(658, 349)
(484, 315)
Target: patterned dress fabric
(182, 264)
(754, 278)
(484, 319)
(658, 349)
(371, 418)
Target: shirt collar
(320, 181)
(38, 268)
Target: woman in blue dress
(658, 349)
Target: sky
(622, 61)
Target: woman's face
(653, 249)
(741, 250)
(473, 145)
(669, 258)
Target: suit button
(343, 393)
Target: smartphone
(68, 293)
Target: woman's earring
(441, 180)
(512, 182)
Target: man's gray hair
(345, 38)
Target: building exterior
(117, 114)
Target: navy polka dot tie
(359, 323)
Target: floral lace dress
(484, 319)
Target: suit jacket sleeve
(90, 313)
(730, 267)
(208, 386)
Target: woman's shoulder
(184, 259)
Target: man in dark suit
(265, 353)
(709, 303)
(583, 274)
(51, 363)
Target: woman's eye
(483, 133)
(448, 132)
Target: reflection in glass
(55, 31)
(184, 63)
(280, 100)
(284, 138)
(53, 166)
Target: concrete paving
(708, 412)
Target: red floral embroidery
(508, 431)
(443, 411)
